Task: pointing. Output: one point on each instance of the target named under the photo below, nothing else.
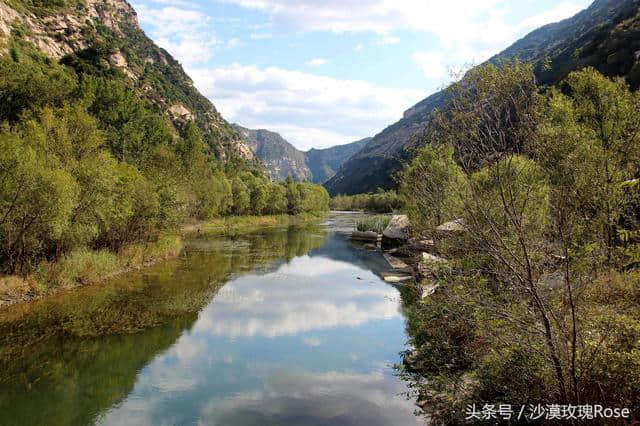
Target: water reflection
(302, 332)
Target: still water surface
(287, 326)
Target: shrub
(373, 223)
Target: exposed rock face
(282, 159)
(397, 232)
(604, 36)
(64, 33)
(179, 111)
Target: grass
(373, 223)
(84, 266)
(236, 225)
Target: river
(286, 326)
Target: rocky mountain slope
(606, 36)
(324, 163)
(104, 35)
(282, 159)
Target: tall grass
(373, 223)
(85, 266)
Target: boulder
(395, 278)
(451, 228)
(430, 264)
(365, 236)
(428, 288)
(397, 264)
(415, 244)
(397, 232)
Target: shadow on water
(65, 360)
(281, 326)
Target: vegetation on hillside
(541, 302)
(86, 163)
(380, 202)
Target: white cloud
(316, 62)
(185, 33)
(431, 63)
(308, 110)
(389, 40)
(233, 43)
(287, 307)
(478, 40)
(467, 31)
(260, 36)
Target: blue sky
(328, 72)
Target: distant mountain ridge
(606, 36)
(282, 159)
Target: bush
(379, 202)
(373, 223)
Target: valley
(191, 233)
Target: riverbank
(85, 267)
(235, 225)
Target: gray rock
(430, 264)
(365, 236)
(397, 232)
(395, 278)
(451, 228)
(397, 264)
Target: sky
(328, 72)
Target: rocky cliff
(282, 159)
(104, 35)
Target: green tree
(434, 187)
(241, 197)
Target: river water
(286, 326)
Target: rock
(397, 264)
(420, 245)
(394, 278)
(429, 258)
(397, 232)
(365, 236)
(451, 228)
(179, 111)
(428, 289)
(430, 264)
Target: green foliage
(539, 304)
(47, 7)
(36, 201)
(86, 163)
(434, 187)
(380, 202)
(373, 223)
(590, 148)
(30, 81)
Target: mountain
(606, 36)
(324, 163)
(103, 37)
(282, 159)
(278, 156)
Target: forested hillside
(605, 36)
(105, 143)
